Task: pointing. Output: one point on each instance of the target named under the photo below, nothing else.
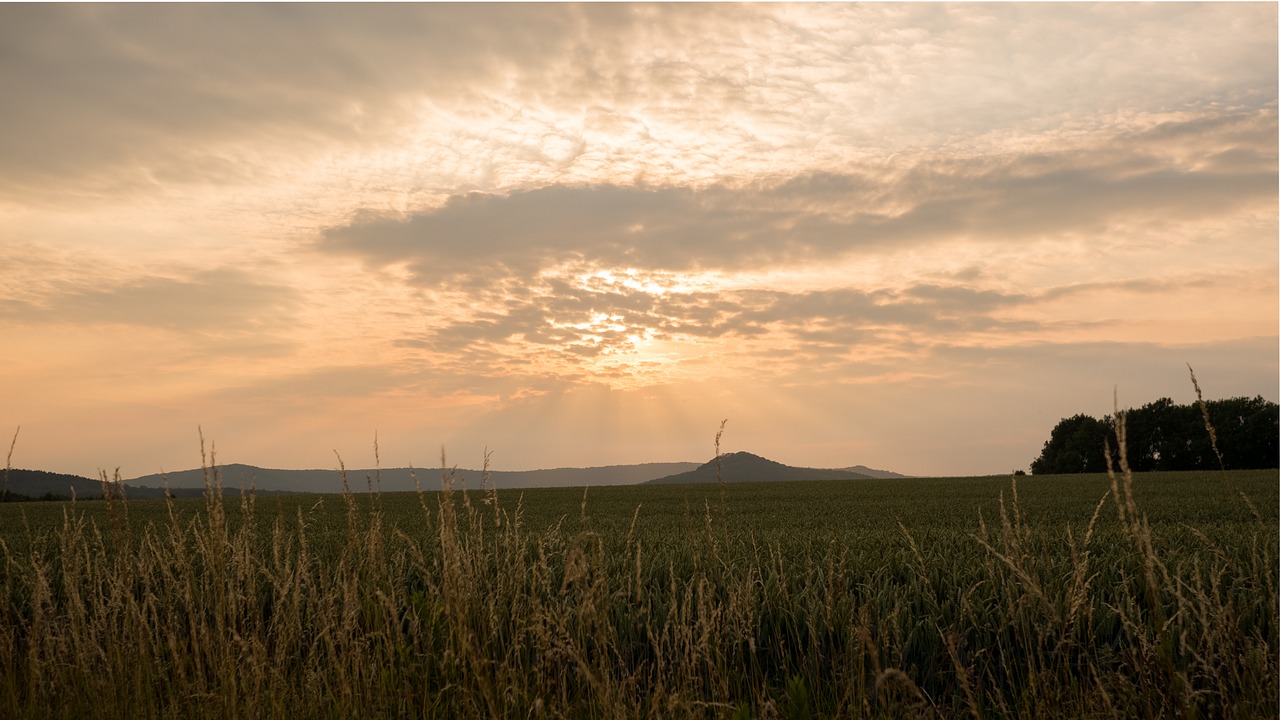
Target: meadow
(1063, 596)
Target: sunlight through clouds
(455, 222)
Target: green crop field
(1149, 596)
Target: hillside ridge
(743, 466)
(734, 467)
(402, 479)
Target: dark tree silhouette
(1163, 435)
(1074, 446)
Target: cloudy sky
(910, 236)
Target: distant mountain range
(735, 467)
(402, 479)
(745, 467)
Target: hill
(235, 476)
(736, 467)
(746, 467)
(38, 483)
(43, 485)
(872, 472)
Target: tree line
(1163, 435)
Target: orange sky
(907, 236)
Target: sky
(908, 236)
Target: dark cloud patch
(479, 235)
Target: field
(1081, 596)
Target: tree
(1248, 431)
(1075, 446)
(1163, 435)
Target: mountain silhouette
(872, 472)
(236, 476)
(51, 485)
(745, 467)
(35, 483)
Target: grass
(1085, 596)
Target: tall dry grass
(467, 612)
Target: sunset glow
(909, 236)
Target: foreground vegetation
(1081, 596)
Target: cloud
(99, 86)
(633, 330)
(115, 99)
(1211, 168)
(557, 321)
(209, 301)
(121, 98)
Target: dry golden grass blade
(1208, 424)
